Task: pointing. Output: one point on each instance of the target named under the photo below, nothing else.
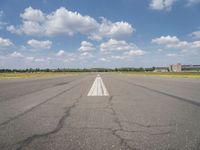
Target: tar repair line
(98, 88)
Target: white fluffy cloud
(117, 45)
(34, 15)
(173, 42)
(40, 44)
(61, 53)
(86, 47)
(108, 29)
(5, 42)
(16, 55)
(120, 50)
(161, 4)
(65, 56)
(60, 21)
(135, 53)
(167, 4)
(165, 40)
(63, 21)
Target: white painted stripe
(98, 88)
(105, 92)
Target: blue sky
(93, 33)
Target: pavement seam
(163, 93)
(34, 107)
(56, 85)
(58, 127)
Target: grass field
(54, 74)
(165, 74)
(35, 75)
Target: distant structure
(161, 69)
(175, 68)
(190, 68)
(178, 68)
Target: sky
(98, 33)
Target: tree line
(80, 70)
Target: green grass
(35, 75)
(165, 74)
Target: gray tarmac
(140, 113)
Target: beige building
(175, 68)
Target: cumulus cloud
(63, 21)
(135, 53)
(64, 56)
(108, 29)
(34, 15)
(16, 55)
(173, 42)
(165, 40)
(40, 44)
(35, 22)
(61, 53)
(162, 4)
(117, 45)
(86, 47)
(119, 50)
(5, 42)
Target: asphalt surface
(140, 113)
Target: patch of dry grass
(35, 75)
(165, 74)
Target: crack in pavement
(149, 125)
(117, 130)
(142, 131)
(123, 141)
(152, 126)
(58, 127)
(34, 107)
(164, 93)
(42, 89)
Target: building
(175, 68)
(190, 67)
(161, 69)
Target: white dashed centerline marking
(98, 88)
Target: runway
(100, 111)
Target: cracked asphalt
(140, 113)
